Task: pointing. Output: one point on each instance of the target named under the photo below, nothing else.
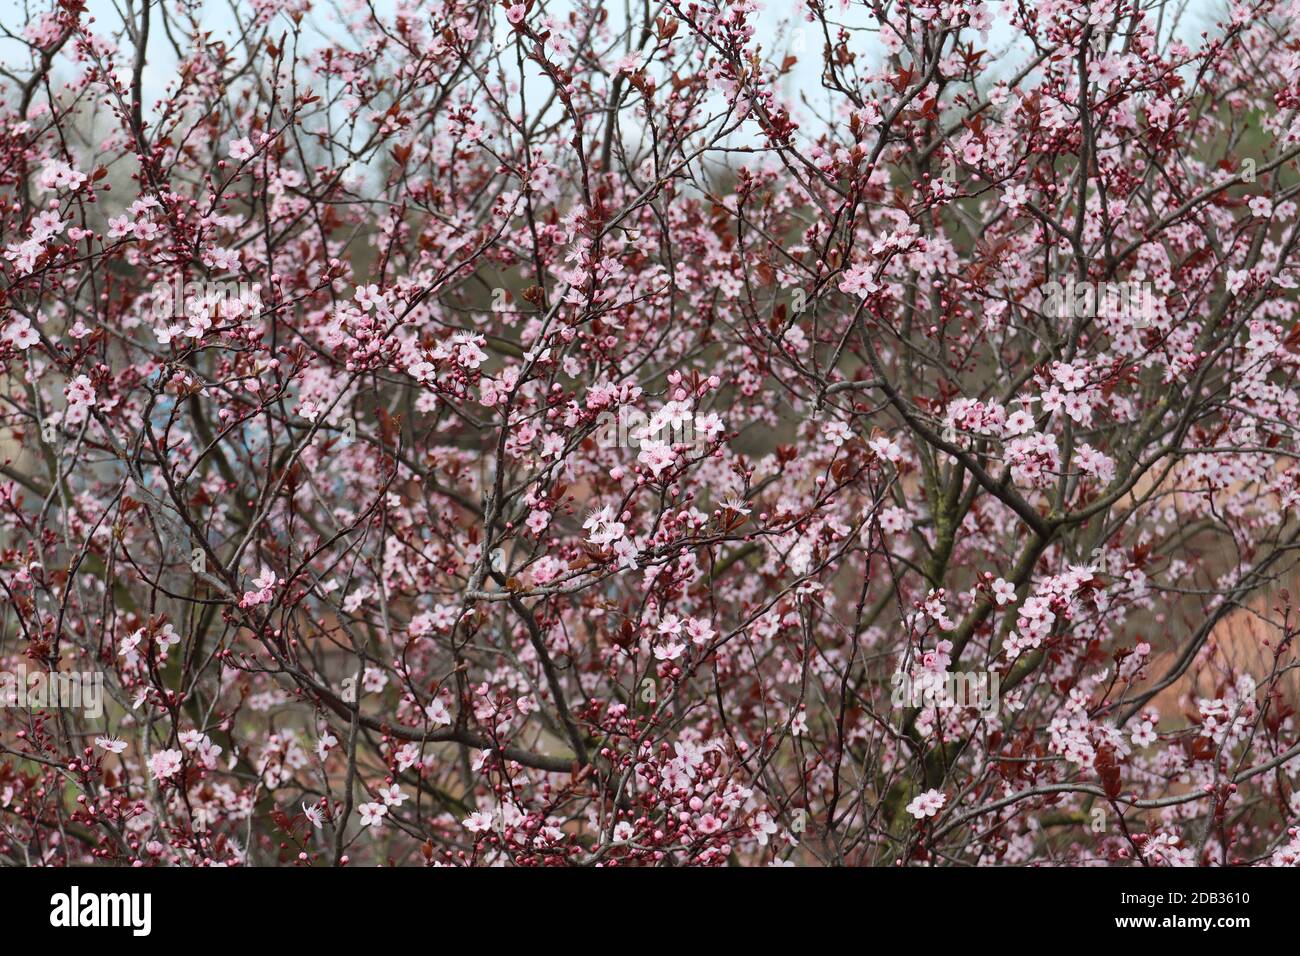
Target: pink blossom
(164, 764)
(927, 804)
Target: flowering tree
(540, 434)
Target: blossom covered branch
(541, 434)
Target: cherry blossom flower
(21, 334)
(314, 815)
(240, 149)
(372, 814)
(1004, 591)
(58, 176)
(927, 804)
(164, 764)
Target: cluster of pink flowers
(569, 428)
